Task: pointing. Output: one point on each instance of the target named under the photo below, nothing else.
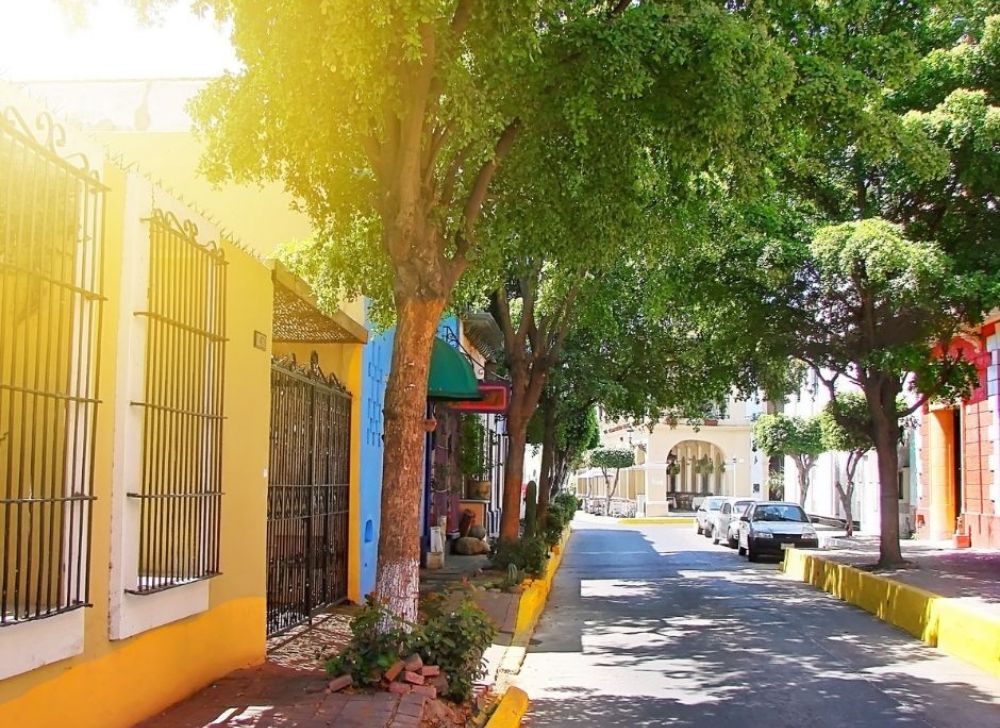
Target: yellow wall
(941, 475)
(343, 361)
(117, 683)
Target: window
(51, 259)
(180, 476)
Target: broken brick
(393, 672)
(399, 688)
(413, 663)
(339, 683)
(429, 690)
(414, 678)
(430, 670)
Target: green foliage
(562, 509)
(378, 638)
(612, 458)
(454, 640)
(530, 509)
(846, 424)
(528, 554)
(780, 434)
(471, 453)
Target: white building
(679, 462)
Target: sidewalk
(289, 690)
(969, 576)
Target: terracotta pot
(479, 489)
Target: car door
(724, 514)
(745, 526)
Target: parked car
(770, 528)
(733, 531)
(704, 513)
(727, 515)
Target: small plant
(471, 454)
(527, 555)
(373, 647)
(455, 641)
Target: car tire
(697, 529)
(732, 543)
(751, 556)
(708, 532)
(715, 536)
(740, 550)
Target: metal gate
(308, 493)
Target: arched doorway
(697, 467)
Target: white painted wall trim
(131, 614)
(30, 645)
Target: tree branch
(477, 195)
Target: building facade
(678, 463)
(959, 451)
(178, 423)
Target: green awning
(451, 375)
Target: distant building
(680, 462)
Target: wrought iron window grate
(180, 494)
(51, 259)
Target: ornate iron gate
(308, 493)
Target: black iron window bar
(51, 283)
(308, 501)
(180, 475)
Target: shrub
(453, 640)
(456, 641)
(372, 648)
(527, 555)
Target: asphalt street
(655, 626)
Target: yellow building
(150, 450)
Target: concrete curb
(941, 622)
(510, 710)
(657, 521)
(514, 702)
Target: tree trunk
(802, 470)
(548, 458)
(517, 439)
(612, 491)
(845, 494)
(880, 392)
(402, 477)
(527, 384)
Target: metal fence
(180, 491)
(308, 495)
(51, 260)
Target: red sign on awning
(495, 400)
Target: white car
(725, 521)
(770, 528)
(703, 516)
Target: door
(308, 494)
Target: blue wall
(375, 370)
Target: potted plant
(472, 457)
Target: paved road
(654, 626)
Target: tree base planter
(479, 489)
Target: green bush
(455, 641)
(531, 509)
(373, 647)
(561, 511)
(528, 555)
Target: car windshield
(741, 506)
(780, 513)
(712, 504)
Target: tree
(847, 427)
(388, 122)
(879, 237)
(798, 438)
(872, 305)
(607, 458)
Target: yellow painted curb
(940, 622)
(536, 592)
(511, 709)
(657, 521)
